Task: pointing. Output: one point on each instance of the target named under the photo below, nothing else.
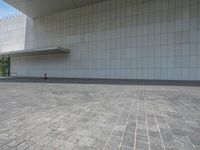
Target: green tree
(4, 66)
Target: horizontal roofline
(29, 52)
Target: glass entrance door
(5, 66)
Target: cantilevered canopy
(38, 8)
(44, 51)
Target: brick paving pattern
(51, 116)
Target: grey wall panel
(126, 39)
(12, 33)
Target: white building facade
(113, 39)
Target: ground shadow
(99, 81)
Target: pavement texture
(52, 116)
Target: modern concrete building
(117, 39)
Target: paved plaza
(52, 116)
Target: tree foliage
(4, 66)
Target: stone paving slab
(50, 116)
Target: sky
(6, 10)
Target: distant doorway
(5, 66)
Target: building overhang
(38, 8)
(31, 52)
